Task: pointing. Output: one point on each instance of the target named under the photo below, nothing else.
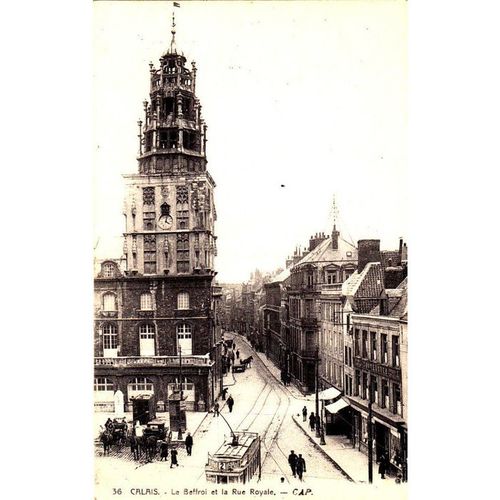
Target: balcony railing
(309, 322)
(119, 362)
(336, 287)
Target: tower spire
(335, 213)
(173, 49)
(335, 233)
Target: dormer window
(331, 277)
(108, 270)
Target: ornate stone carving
(182, 194)
(148, 195)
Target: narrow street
(273, 421)
(262, 405)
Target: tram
(237, 459)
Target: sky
(309, 95)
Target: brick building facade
(159, 316)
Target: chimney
(368, 251)
(335, 238)
(316, 240)
(400, 250)
(384, 304)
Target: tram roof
(227, 450)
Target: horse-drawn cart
(239, 368)
(158, 429)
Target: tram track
(282, 396)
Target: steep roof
(398, 301)
(281, 276)
(324, 252)
(364, 288)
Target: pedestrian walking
(292, 460)
(301, 466)
(304, 414)
(224, 392)
(174, 458)
(237, 354)
(382, 466)
(312, 420)
(189, 443)
(163, 451)
(230, 403)
(216, 409)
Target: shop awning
(330, 393)
(338, 405)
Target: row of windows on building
(137, 384)
(333, 372)
(332, 340)
(182, 258)
(147, 332)
(104, 387)
(376, 349)
(109, 301)
(305, 308)
(331, 311)
(321, 277)
(385, 393)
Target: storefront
(389, 437)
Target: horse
(135, 446)
(247, 362)
(120, 433)
(106, 440)
(149, 446)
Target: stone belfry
(169, 207)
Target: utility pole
(370, 434)
(179, 434)
(317, 391)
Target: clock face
(165, 222)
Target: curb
(337, 466)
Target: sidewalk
(352, 462)
(339, 449)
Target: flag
(177, 4)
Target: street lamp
(320, 431)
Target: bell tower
(169, 206)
